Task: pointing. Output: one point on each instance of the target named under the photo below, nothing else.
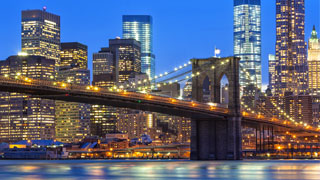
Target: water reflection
(105, 169)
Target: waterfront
(136, 169)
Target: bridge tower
(218, 138)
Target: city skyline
(79, 81)
(216, 35)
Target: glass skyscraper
(291, 62)
(247, 41)
(139, 27)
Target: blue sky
(183, 29)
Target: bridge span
(216, 131)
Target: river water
(135, 169)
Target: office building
(187, 90)
(272, 69)
(126, 57)
(169, 89)
(291, 61)
(139, 27)
(103, 118)
(40, 34)
(247, 41)
(103, 69)
(23, 117)
(314, 63)
(74, 53)
(72, 118)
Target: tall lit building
(187, 90)
(40, 34)
(117, 63)
(291, 61)
(103, 118)
(314, 63)
(72, 118)
(272, 69)
(103, 69)
(74, 53)
(23, 117)
(126, 57)
(139, 27)
(247, 41)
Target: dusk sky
(183, 29)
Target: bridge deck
(133, 100)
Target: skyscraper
(291, 62)
(23, 117)
(272, 69)
(73, 119)
(103, 118)
(75, 54)
(139, 27)
(126, 57)
(40, 34)
(103, 69)
(247, 41)
(314, 63)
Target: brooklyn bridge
(216, 131)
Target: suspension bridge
(216, 130)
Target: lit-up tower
(104, 69)
(103, 118)
(272, 69)
(73, 119)
(126, 57)
(40, 34)
(139, 27)
(23, 117)
(247, 41)
(75, 54)
(291, 61)
(314, 63)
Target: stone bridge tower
(219, 138)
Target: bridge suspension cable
(277, 108)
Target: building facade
(314, 63)
(40, 34)
(103, 118)
(126, 57)
(72, 118)
(291, 61)
(140, 28)
(247, 41)
(74, 53)
(103, 69)
(23, 117)
(272, 70)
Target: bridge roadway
(145, 102)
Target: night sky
(183, 29)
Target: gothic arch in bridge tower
(216, 138)
(215, 69)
